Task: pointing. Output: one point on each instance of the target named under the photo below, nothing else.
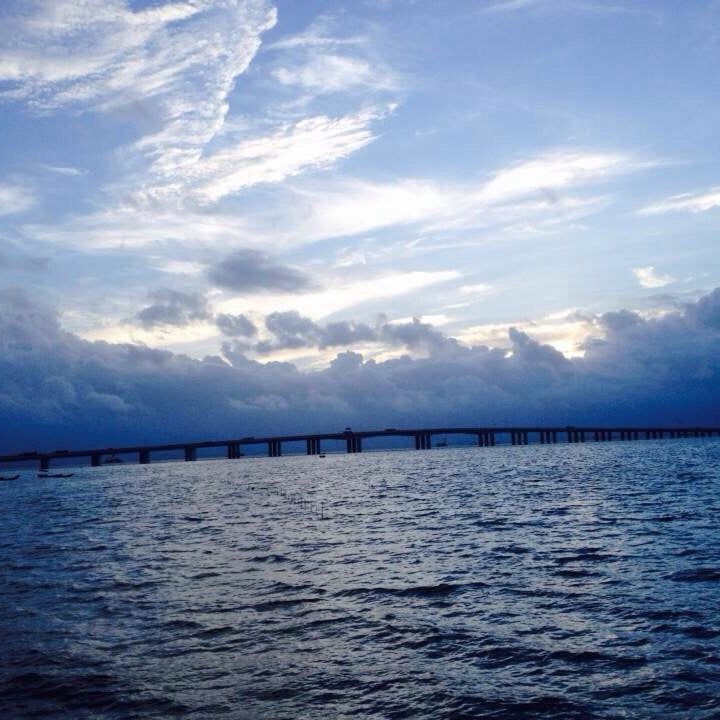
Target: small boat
(3, 478)
(322, 455)
(55, 475)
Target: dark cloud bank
(57, 390)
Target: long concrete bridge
(353, 441)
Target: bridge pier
(423, 441)
(486, 438)
(144, 457)
(95, 460)
(190, 453)
(313, 446)
(44, 463)
(354, 444)
(274, 448)
(233, 451)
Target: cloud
(235, 325)
(292, 331)
(179, 61)
(687, 202)
(551, 172)
(173, 307)
(310, 143)
(250, 271)
(15, 199)
(71, 392)
(649, 278)
(321, 207)
(326, 73)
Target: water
(576, 581)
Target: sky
(221, 215)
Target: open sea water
(567, 581)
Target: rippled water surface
(578, 581)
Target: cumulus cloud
(173, 307)
(250, 271)
(235, 325)
(68, 391)
(292, 331)
(648, 277)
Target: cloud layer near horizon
(62, 391)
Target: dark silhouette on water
(7, 479)
(422, 437)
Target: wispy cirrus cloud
(686, 202)
(538, 190)
(312, 143)
(179, 60)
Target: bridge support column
(274, 448)
(44, 463)
(313, 446)
(144, 457)
(354, 444)
(190, 453)
(95, 460)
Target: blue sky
(287, 181)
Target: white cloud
(179, 61)
(649, 278)
(14, 199)
(319, 305)
(331, 206)
(311, 143)
(477, 289)
(552, 172)
(688, 202)
(334, 73)
(565, 331)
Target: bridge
(353, 441)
